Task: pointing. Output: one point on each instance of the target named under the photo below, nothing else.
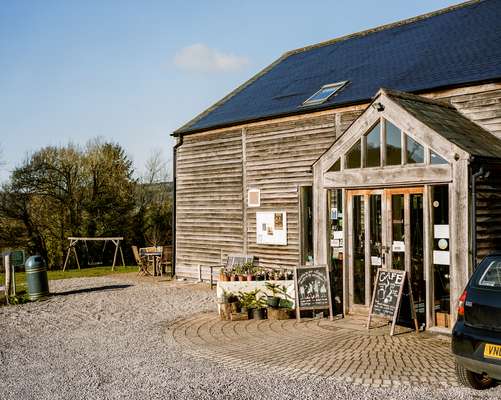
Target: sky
(134, 71)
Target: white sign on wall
(271, 228)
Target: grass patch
(71, 273)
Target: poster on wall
(271, 228)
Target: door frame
(386, 239)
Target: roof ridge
(384, 27)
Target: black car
(476, 337)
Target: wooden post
(122, 255)
(76, 256)
(6, 263)
(115, 242)
(67, 257)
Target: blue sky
(134, 71)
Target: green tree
(69, 191)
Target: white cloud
(201, 58)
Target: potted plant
(240, 272)
(246, 300)
(260, 274)
(274, 288)
(233, 275)
(223, 275)
(258, 306)
(250, 270)
(283, 309)
(227, 303)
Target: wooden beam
(427, 252)
(459, 241)
(319, 218)
(244, 192)
(389, 176)
(95, 238)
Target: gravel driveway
(105, 338)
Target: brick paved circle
(319, 347)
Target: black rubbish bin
(36, 278)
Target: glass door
(385, 230)
(405, 249)
(365, 244)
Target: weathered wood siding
(488, 212)
(210, 187)
(278, 158)
(481, 104)
(209, 200)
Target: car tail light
(462, 300)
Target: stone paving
(341, 350)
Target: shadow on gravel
(89, 290)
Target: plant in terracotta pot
(240, 273)
(250, 270)
(231, 273)
(223, 276)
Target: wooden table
(155, 257)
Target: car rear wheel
(471, 379)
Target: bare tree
(155, 200)
(156, 168)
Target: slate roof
(454, 46)
(449, 123)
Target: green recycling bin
(36, 278)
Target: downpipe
(174, 196)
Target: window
(415, 151)
(373, 157)
(386, 145)
(393, 144)
(324, 93)
(436, 159)
(306, 213)
(491, 278)
(336, 166)
(354, 156)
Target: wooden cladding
(482, 106)
(214, 173)
(488, 212)
(215, 170)
(209, 200)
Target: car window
(491, 277)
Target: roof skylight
(324, 93)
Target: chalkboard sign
(387, 296)
(313, 290)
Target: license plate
(492, 351)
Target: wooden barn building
(378, 149)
